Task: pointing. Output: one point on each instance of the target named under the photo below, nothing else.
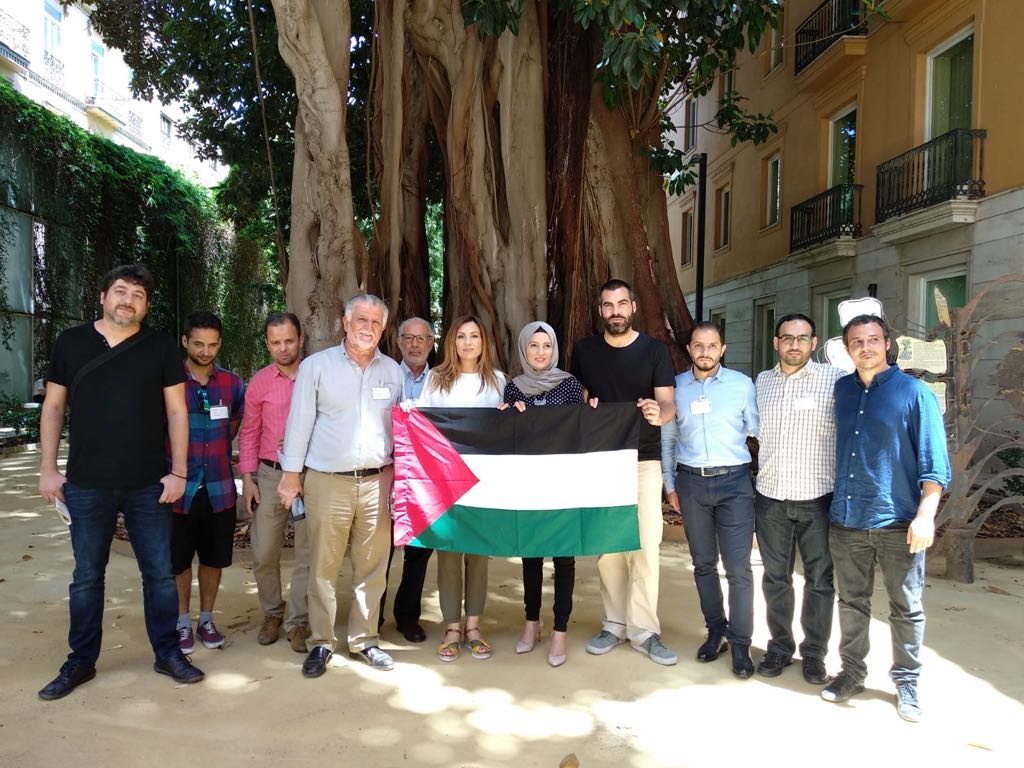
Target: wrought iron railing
(135, 124)
(53, 68)
(828, 22)
(110, 100)
(14, 34)
(833, 213)
(949, 166)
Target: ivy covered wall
(73, 204)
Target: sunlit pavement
(618, 710)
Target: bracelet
(180, 477)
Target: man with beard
(891, 466)
(204, 519)
(126, 390)
(623, 365)
(337, 455)
(267, 399)
(795, 478)
(716, 411)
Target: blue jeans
(783, 528)
(148, 522)
(718, 514)
(855, 553)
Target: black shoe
(377, 658)
(412, 632)
(316, 663)
(713, 646)
(843, 688)
(814, 671)
(70, 677)
(742, 664)
(179, 668)
(773, 663)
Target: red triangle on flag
(430, 475)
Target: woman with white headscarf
(543, 383)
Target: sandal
(479, 648)
(450, 651)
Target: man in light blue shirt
(716, 410)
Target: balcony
(831, 215)
(53, 69)
(832, 21)
(107, 105)
(13, 41)
(932, 187)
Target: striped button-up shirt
(797, 459)
(266, 411)
(340, 417)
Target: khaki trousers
(266, 538)
(346, 513)
(451, 585)
(629, 580)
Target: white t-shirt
(465, 393)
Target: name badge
(219, 412)
(381, 393)
(803, 403)
(698, 407)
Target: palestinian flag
(553, 481)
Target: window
(725, 84)
(723, 204)
(690, 124)
(53, 15)
(165, 126)
(842, 147)
(830, 310)
(776, 36)
(771, 176)
(96, 58)
(764, 333)
(686, 236)
(717, 317)
(951, 85)
(932, 294)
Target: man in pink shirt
(267, 400)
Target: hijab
(530, 382)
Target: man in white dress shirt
(338, 456)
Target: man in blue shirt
(716, 409)
(891, 467)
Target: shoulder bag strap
(106, 357)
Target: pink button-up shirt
(267, 400)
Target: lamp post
(702, 204)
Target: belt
(360, 473)
(712, 471)
(271, 464)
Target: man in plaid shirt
(794, 489)
(204, 519)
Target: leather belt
(271, 464)
(712, 471)
(360, 473)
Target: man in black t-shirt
(125, 386)
(625, 366)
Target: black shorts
(202, 531)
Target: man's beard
(196, 361)
(616, 330)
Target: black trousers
(565, 579)
(410, 590)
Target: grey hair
(365, 298)
(401, 328)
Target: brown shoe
(270, 630)
(297, 637)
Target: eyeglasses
(409, 338)
(788, 340)
(204, 400)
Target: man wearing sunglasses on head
(204, 519)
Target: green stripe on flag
(534, 533)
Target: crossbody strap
(106, 357)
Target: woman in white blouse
(465, 379)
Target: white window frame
(687, 240)
(764, 332)
(776, 41)
(689, 124)
(917, 295)
(929, 76)
(769, 211)
(52, 26)
(851, 107)
(723, 216)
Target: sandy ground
(255, 708)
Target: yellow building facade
(897, 168)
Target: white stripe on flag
(553, 480)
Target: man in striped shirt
(794, 489)
(266, 411)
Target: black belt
(271, 464)
(712, 471)
(360, 473)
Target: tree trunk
(327, 259)
(959, 544)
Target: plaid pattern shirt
(209, 440)
(797, 460)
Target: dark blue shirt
(889, 440)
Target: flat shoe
(479, 648)
(449, 651)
